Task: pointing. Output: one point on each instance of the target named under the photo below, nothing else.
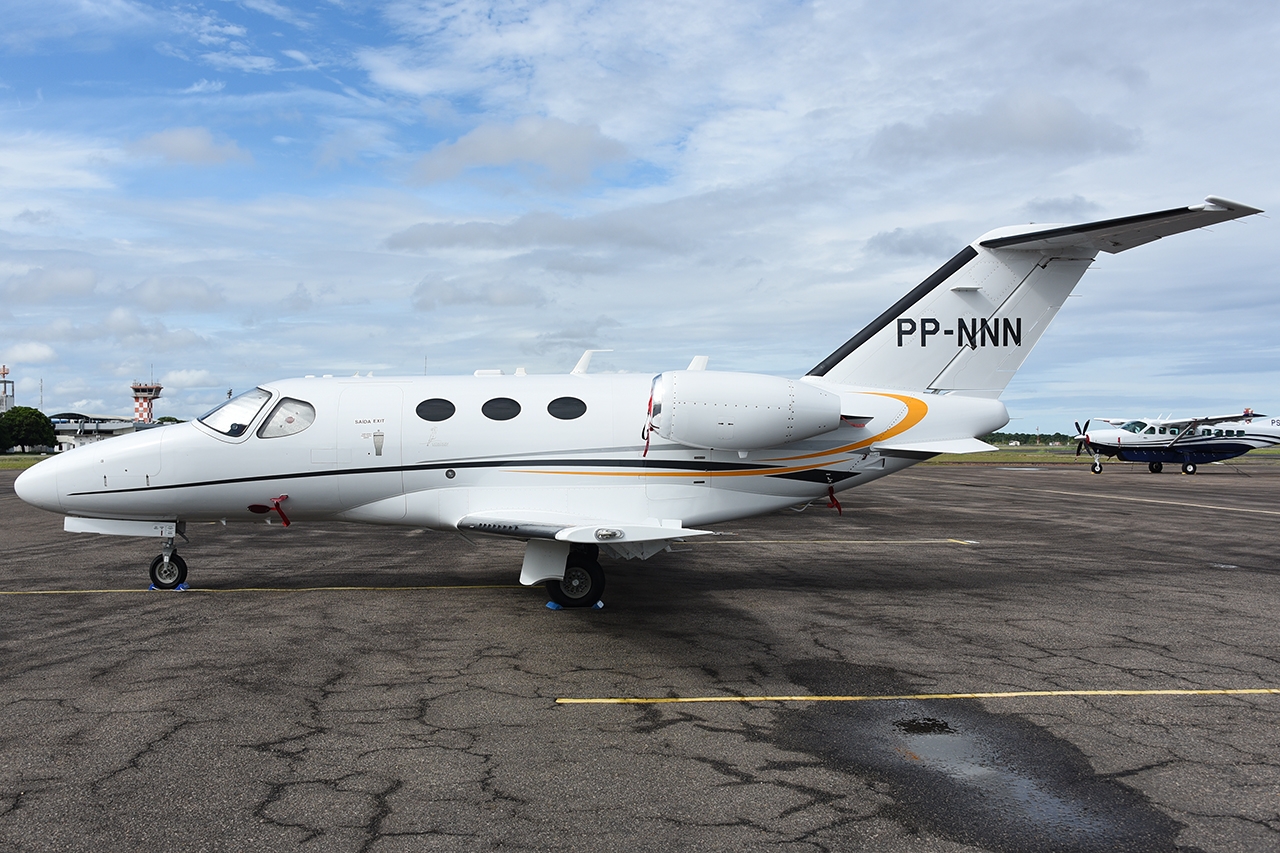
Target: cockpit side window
(1150, 431)
(234, 416)
(288, 417)
(1134, 426)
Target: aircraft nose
(38, 486)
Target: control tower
(6, 390)
(143, 394)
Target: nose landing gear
(168, 571)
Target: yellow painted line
(265, 589)
(711, 540)
(1153, 501)
(923, 697)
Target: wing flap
(603, 532)
(951, 445)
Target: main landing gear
(1155, 467)
(583, 583)
(1190, 467)
(168, 571)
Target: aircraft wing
(623, 539)
(1117, 235)
(1210, 420)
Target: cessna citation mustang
(580, 464)
(1189, 441)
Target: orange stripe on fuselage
(916, 410)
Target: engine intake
(738, 411)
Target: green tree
(26, 427)
(5, 443)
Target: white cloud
(552, 151)
(29, 352)
(1021, 123)
(43, 161)
(302, 59)
(50, 285)
(180, 379)
(193, 145)
(174, 293)
(433, 292)
(240, 60)
(928, 241)
(204, 87)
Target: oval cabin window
(566, 408)
(500, 409)
(435, 409)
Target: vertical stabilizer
(968, 327)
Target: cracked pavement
(229, 718)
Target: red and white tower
(6, 390)
(143, 394)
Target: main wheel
(168, 576)
(1188, 467)
(1155, 467)
(1096, 467)
(582, 586)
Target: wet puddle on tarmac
(956, 770)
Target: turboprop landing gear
(168, 571)
(1096, 467)
(1155, 467)
(1188, 467)
(583, 583)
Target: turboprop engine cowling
(739, 411)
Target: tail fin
(968, 327)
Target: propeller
(1081, 437)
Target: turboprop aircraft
(577, 465)
(1190, 441)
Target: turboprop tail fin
(968, 327)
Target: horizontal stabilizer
(1117, 235)
(953, 445)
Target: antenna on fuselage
(580, 368)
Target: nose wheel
(168, 571)
(168, 574)
(1096, 467)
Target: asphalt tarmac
(354, 688)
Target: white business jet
(1189, 441)
(580, 464)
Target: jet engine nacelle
(739, 411)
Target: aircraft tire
(1188, 467)
(1155, 467)
(170, 577)
(1096, 467)
(583, 583)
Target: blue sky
(226, 192)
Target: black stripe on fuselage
(920, 291)
(656, 464)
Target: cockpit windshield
(234, 416)
(1134, 426)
